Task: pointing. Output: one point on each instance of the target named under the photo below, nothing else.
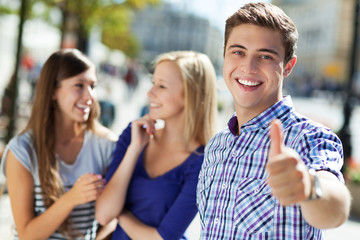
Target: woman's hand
(21, 191)
(141, 131)
(86, 189)
(111, 202)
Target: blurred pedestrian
(107, 115)
(55, 166)
(264, 178)
(152, 180)
(144, 110)
(27, 61)
(131, 80)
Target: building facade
(161, 29)
(325, 36)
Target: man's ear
(289, 66)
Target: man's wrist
(315, 190)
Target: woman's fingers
(146, 123)
(88, 187)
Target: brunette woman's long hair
(60, 65)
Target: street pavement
(128, 107)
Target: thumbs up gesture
(289, 177)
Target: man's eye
(79, 85)
(266, 57)
(238, 52)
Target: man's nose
(250, 65)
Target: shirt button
(224, 185)
(216, 220)
(233, 154)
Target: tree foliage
(80, 16)
(112, 16)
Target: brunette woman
(55, 166)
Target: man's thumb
(276, 138)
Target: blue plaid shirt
(233, 197)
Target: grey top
(94, 157)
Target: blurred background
(122, 37)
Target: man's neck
(244, 115)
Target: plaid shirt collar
(279, 110)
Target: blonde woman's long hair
(199, 81)
(59, 66)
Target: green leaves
(80, 16)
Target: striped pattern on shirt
(82, 218)
(233, 197)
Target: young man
(273, 173)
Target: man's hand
(289, 177)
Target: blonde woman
(54, 168)
(152, 180)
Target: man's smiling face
(254, 67)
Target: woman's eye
(158, 85)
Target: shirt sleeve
(321, 149)
(119, 152)
(184, 209)
(22, 149)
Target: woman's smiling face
(167, 94)
(75, 96)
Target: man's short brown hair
(268, 16)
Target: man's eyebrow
(269, 50)
(236, 46)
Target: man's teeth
(248, 83)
